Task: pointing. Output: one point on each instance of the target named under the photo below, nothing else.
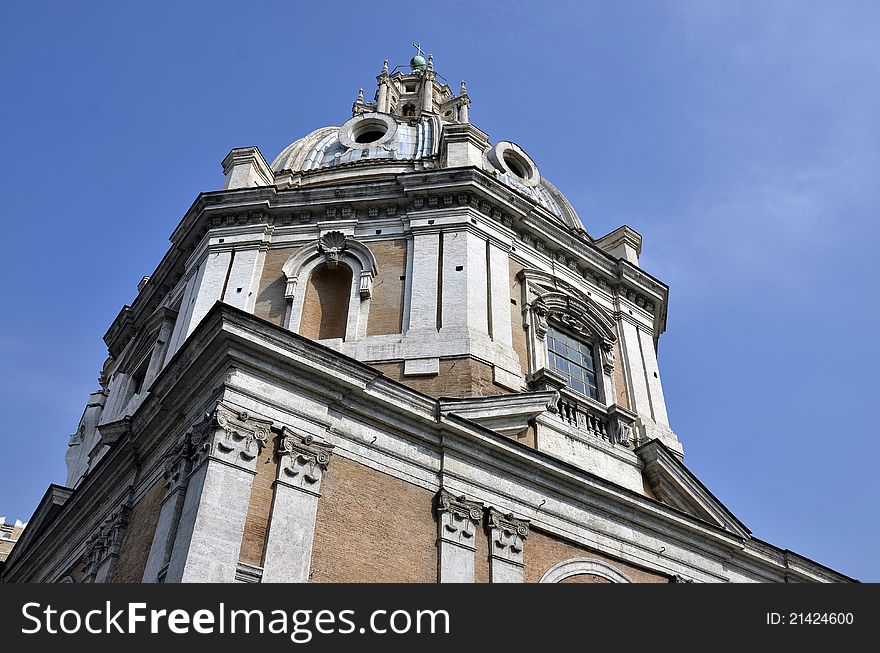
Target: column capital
(229, 435)
(507, 536)
(175, 466)
(302, 460)
(105, 543)
(458, 518)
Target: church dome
(405, 142)
(367, 137)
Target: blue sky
(740, 138)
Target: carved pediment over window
(580, 315)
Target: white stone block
(421, 367)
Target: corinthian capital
(303, 460)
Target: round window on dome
(367, 130)
(517, 165)
(510, 159)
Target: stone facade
(9, 534)
(342, 371)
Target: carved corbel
(366, 284)
(607, 347)
(539, 311)
(290, 288)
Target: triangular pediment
(47, 510)
(675, 485)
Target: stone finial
(360, 97)
(463, 88)
(385, 67)
(430, 62)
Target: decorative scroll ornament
(333, 245)
(621, 433)
(458, 518)
(507, 536)
(303, 460)
(608, 356)
(231, 435)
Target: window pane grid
(573, 360)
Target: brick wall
(519, 332)
(619, 382)
(325, 307)
(271, 304)
(585, 578)
(256, 524)
(458, 377)
(372, 528)
(386, 304)
(139, 536)
(481, 557)
(543, 551)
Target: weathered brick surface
(585, 578)
(481, 557)
(386, 304)
(542, 551)
(325, 307)
(139, 536)
(372, 528)
(458, 377)
(516, 321)
(256, 524)
(271, 304)
(619, 382)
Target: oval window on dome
(517, 166)
(368, 129)
(369, 133)
(509, 158)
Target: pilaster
(507, 537)
(175, 478)
(225, 446)
(457, 520)
(301, 466)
